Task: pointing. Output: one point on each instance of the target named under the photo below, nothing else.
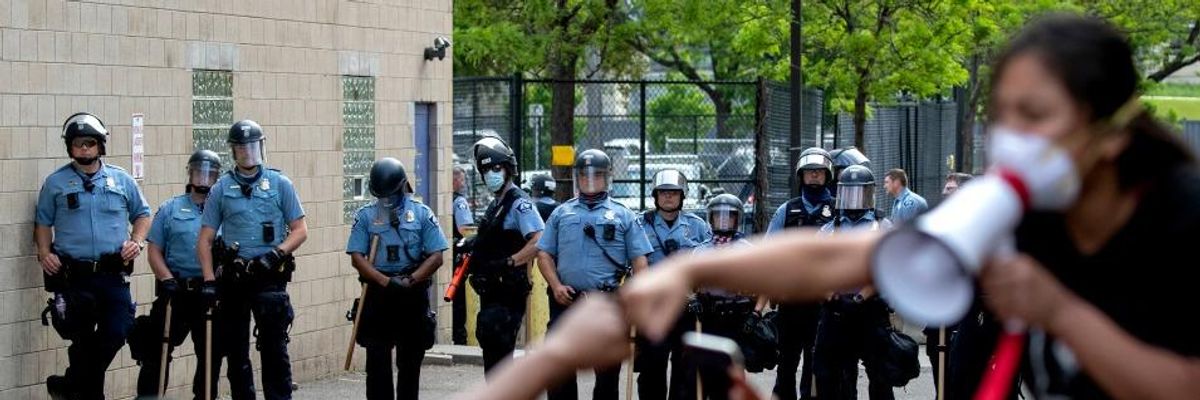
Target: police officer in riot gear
(257, 209)
(172, 255)
(542, 190)
(719, 312)
(506, 243)
(462, 219)
(851, 320)
(724, 216)
(86, 251)
(408, 251)
(798, 322)
(846, 157)
(670, 231)
(589, 245)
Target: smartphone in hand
(712, 357)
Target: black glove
(208, 293)
(399, 283)
(167, 288)
(269, 261)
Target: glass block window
(212, 111)
(358, 141)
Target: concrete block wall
(115, 58)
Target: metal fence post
(516, 91)
(642, 148)
(759, 173)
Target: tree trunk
(724, 109)
(860, 116)
(562, 119)
(966, 133)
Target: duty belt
(107, 264)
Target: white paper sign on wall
(139, 148)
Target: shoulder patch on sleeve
(525, 207)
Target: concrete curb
(453, 354)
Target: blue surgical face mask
(494, 180)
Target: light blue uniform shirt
(523, 217)
(908, 205)
(462, 212)
(241, 218)
(689, 232)
(581, 263)
(410, 241)
(89, 224)
(176, 229)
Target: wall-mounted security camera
(440, 44)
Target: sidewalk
(453, 369)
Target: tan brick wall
(119, 57)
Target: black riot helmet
(542, 185)
(490, 152)
(593, 164)
(245, 131)
(203, 168)
(815, 158)
(856, 189)
(846, 157)
(247, 136)
(388, 178)
(84, 124)
(724, 213)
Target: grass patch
(1174, 90)
(1180, 108)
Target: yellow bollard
(538, 312)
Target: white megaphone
(926, 271)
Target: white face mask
(494, 180)
(1046, 169)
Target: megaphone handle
(998, 378)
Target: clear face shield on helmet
(592, 180)
(203, 174)
(248, 155)
(724, 218)
(855, 197)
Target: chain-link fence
(704, 129)
(482, 107)
(919, 138)
(779, 151)
(715, 132)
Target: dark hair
(959, 178)
(898, 174)
(1095, 63)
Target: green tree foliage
(681, 112)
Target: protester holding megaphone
(1097, 197)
